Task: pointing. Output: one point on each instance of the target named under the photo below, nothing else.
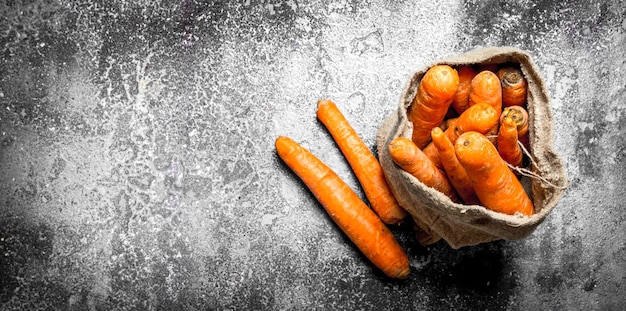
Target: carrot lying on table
(495, 184)
(432, 100)
(453, 169)
(514, 86)
(507, 142)
(346, 209)
(363, 162)
(411, 159)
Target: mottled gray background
(137, 166)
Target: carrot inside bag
(508, 146)
(453, 169)
(460, 101)
(514, 86)
(495, 184)
(482, 118)
(431, 102)
(411, 159)
(520, 117)
(486, 88)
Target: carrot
(346, 209)
(520, 116)
(480, 118)
(508, 148)
(363, 162)
(495, 184)
(460, 102)
(485, 88)
(455, 172)
(431, 152)
(408, 157)
(450, 123)
(514, 86)
(431, 102)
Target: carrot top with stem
(520, 117)
(514, 86)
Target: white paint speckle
(268, 219)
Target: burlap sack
(462, 225)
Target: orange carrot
(455, 172)
(480, 118)
(485, 88)
(363, 162)
(514, 86)
(460, 102)
(495, 184)
(508, 147)
(431, 152)
(411, 159)
(520, 116)
(346, 209)
(431, 102)
(450, 123)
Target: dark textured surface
(137, 167)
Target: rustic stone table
(137, 167)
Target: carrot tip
(404, 273)
(324, 102)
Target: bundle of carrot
(470, 130)
(365, 227)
